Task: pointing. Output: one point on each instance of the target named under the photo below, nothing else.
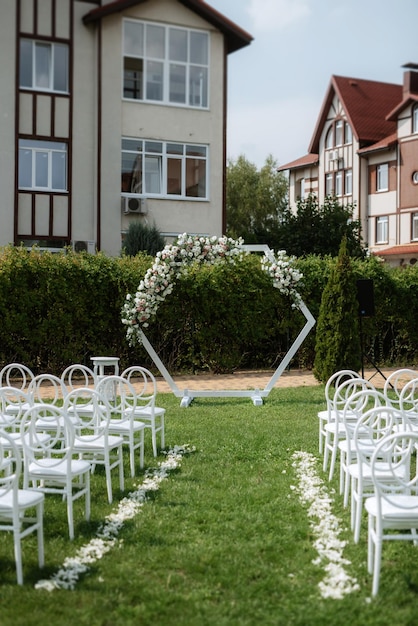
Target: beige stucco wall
(149, 121)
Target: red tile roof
(384, 144)
(409, 248)
(366, 104)
(235, 36)
(308, 159)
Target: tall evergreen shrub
(143, 238)
(337, 334)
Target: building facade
(364, 151)
(112, 111)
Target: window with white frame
(382, 229)
(339, 183)
(164, 168)
(348, 182)
(42, 165)
(329, 139)
(44, 66)
(415, 118)
(382, 177)
(329, 185)
(165, 64)
(339, 133)
(348, 133)
(414, 227)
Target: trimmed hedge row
(62, 309)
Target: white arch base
(257, 395)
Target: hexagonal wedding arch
(173, 262)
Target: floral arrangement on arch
(174, 261)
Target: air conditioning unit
(134, 204)
(84, 246)
(333, 155)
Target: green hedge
(65, 308)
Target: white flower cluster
(73, 567)
(172, 262)
(326, 529)
(169, 265)
(284, 275)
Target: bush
(142, 238)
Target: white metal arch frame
(257, 395)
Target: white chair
(393, 509)
(78, 375)
(355, 407)
(395, 383)
(376, 424)
(146, 410)
(13, 404)
(49, 464)
(327, 415)
(123, 400)
(335, 429)
(47, 387)
(90, 413)
(21, 510)
(408, 402)
(16, 375)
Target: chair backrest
(13, 403)
(375, 425)
(347, 395)
(78, 375)
(400, 477)
(144, 383)
(408, 399)
(10, 468)
(88, 410)
(58, 446)
(120, 394)
(395, 383)
(334, 382)
(47, 388)
(358, 404)
(16, 375)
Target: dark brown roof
(366, 104)
(383, 144)
(235, 36)
(412, 97)
(308, 159)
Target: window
(43, 66)
(339, 128)
(165, 64)
(42, 165)
(348, 183)
(339, 184)
(329, 140)
(382, 229)
(161, 168)
(382, 177)
(348, 133)
(415, 119)
(329, 185)
(414, 227)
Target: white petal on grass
(326, 529)
(107, 536)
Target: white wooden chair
(50, 465)
(90, 413)
(393, 509)
(21, 510)
(327, 414)
(146, 409)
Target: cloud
(273, 15)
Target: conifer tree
(337, 335)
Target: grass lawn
(225, 541)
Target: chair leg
(18, 555)
(162, 432)
(40, 533)
(70, 512)
(154, 440)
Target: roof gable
(366, 104)
(235, 36)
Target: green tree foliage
(337, 335)
(142, 238)
(255, 200)
(316, 229)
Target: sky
(277, 84)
